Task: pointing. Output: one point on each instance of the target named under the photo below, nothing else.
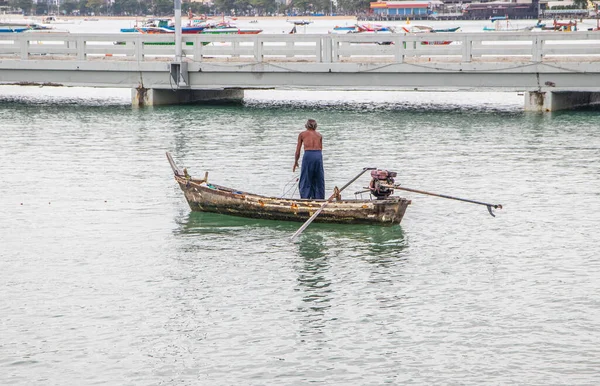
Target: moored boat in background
(165, 26)
(503, 24)
(563, 26)
(300, 22)
(13, 29)
(344, 28)
(21, 26)
(162, 25)
(365, 29)
(232, 30)
(425, 29)
(52, 19)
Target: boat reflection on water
(314, 283)
(312, 273)
(203, 223)
(331, 258)
(324, 261)
(370, 242)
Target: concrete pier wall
(558, 71)
(155, 97)
(548, 101)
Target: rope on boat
(286, 190)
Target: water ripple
(108, 277)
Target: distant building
(402, 9)
(560, 9)
(513, 10)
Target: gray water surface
(108, 278)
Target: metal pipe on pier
(178, 31)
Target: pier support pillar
(546, 101)
(154, 97)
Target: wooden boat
(52, 19)
(13, 29)
(502, 24)
(207, 197)
(20, 26)
(345, 28)
(451, 29)
(232, 31)
(415, 28)
(564, 26)
(425, 29)
(365, 29)
(163, 26)
(300, 22)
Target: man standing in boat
(312, 176)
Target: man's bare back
(310, 138)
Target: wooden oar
(489, 206)
(335, 193)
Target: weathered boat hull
(218, 199)
(205, 197)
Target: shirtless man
(312, 176)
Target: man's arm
(297, 155)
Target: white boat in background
(416, 28)
(503, 24)
(300, 22)
(51, 19)
(425, 29)
(48, 31)
(21, 26)
(365, 29)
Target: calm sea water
(108, 278)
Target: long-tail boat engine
(381, 182)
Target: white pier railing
(325, 48)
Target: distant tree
(302, 6)
(198, 8)
(145, 7)
(129, 7)
(580, 4)
(224, 6)
(41, 8)
(94, 5)
(68, 6)
(354, 6)
(163, 7)
(24, 5)
(81, 6)
(263, 6)
(118, 8)
(320, 6)
(241, 6)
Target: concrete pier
(155, 97)
(556, 71)
(547, 101)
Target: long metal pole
(489, 206)
(178, 30)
